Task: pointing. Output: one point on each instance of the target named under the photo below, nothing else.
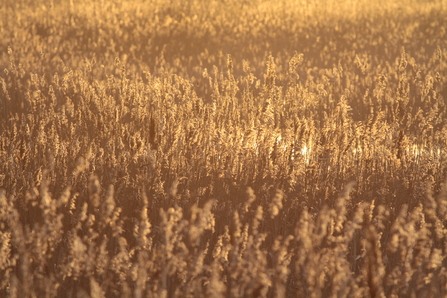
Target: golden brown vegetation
(226, 148)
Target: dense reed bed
(234, 149)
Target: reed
(234, 149)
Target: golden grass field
(225, 148)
